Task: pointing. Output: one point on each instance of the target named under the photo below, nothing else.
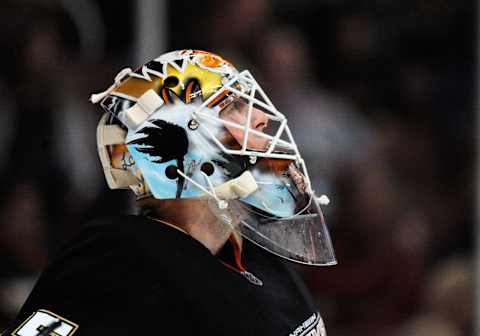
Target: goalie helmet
(188, 124)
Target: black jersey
(133, 276)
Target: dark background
(380, 96)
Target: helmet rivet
(193, 124)
(253, 159)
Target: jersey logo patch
(46, 323)
(313, 326)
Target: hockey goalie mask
(188, 124)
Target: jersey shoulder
(113, 248)
(113, 269)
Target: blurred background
(381, 98)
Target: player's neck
(192, 216)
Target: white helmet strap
(145, 106)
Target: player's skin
(193, 215)
(237, 112)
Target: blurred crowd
(381, 100)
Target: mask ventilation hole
(207, 168)
(171, 172)
(171, 82)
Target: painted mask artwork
(194, 126)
